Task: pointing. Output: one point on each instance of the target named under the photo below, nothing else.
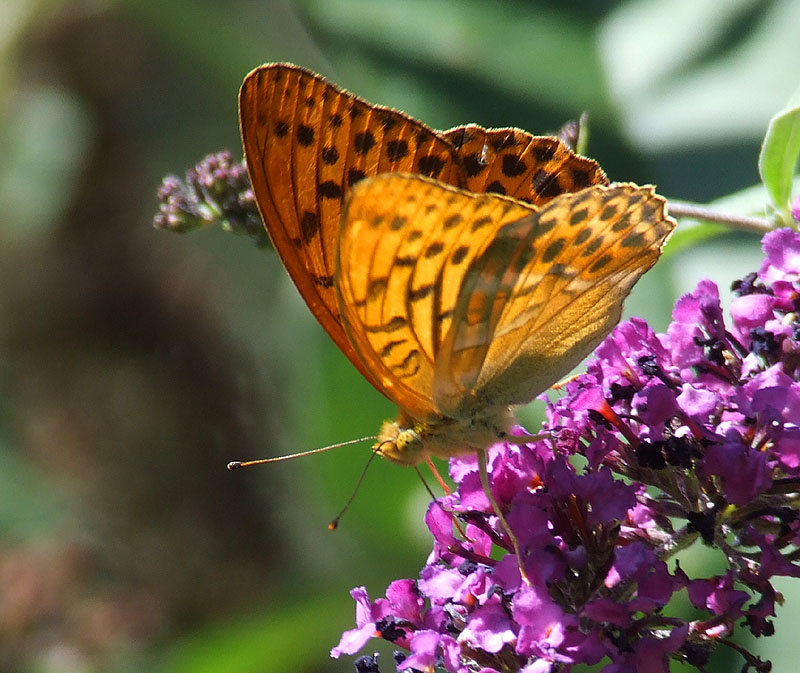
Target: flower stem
(484, 474)
(756, 225)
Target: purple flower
(216, 190)
(388, 618)
(691, 436)
(427, 648)
(490, 627)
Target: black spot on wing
(583, 236)
(636, 239)
(622, 223)
(544, 154)
(363, 142)
(330, 155)
(480, 222)
(331, 190)
(600, 263)
(453, 220)
(420, 292)
(386, 351)
(434, 249)
(430, 165)
(582, 179)
(473, 164)
(460, 254)
(609, 211)
(409, 366)
(593, 246)
(496, 187)
(512, 166)
(354, 175)
(546, 184)
(396, 150)
(376, 288)
(392, 325)
(552, 251)
(305, 135)
(578, 216)
(309, 225)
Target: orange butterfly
(462, 272)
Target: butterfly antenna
(236, 464)
(333, 525)
(425, 484)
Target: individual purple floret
(666, 440)
(216, 190)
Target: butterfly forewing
(568, 269)
(534, 169)
(307, 142)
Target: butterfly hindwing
(565, 272)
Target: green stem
(757, 225)
(484, 474)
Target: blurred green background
(134, 364)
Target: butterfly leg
(438, 476)
(484, 475)
(526, 439)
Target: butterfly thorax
(411, 442)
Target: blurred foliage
(135, 364)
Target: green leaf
(779, 153)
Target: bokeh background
(134, 363)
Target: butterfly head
(401, 442)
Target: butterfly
(462, 272)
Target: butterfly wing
(307, 142)
(407, 244)
(544, 292)
(509, 161)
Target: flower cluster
(215, 190)
(666, 440)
